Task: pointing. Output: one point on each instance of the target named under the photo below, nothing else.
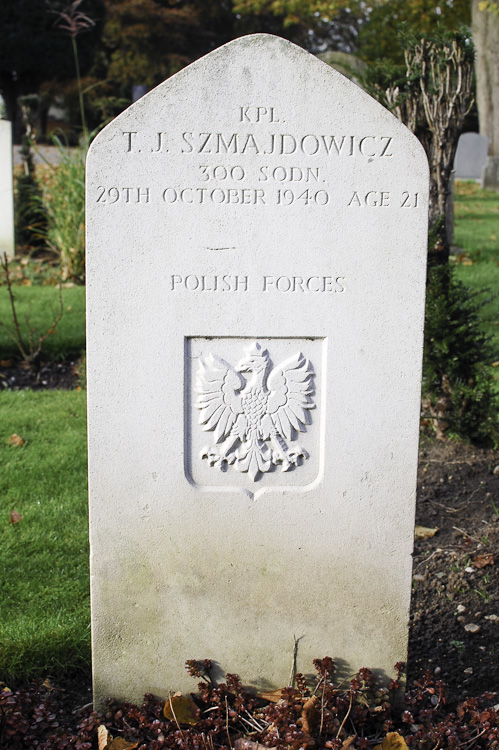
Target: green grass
(477, 232)
(44, 577)
(39, 304)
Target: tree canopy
(32, 51)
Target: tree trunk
(485, 25)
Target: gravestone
(256, 248)
(471, 156)
(6, 191)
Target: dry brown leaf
(392, 741)
(102, 737)
(272, 696)
(15, 517)
(181, 708)
(495, 364)
(423, 532)
(481, 561)
(107, 742)
(118, 743)
(348, 742)
(309, 714)
(5, 362)
(16, 441)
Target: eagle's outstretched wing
(218, 387)
(290, 399)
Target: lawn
(477, 233)
(36, 308)
(44, 606)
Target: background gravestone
(256, 250)
(471, 156)
(6, 191)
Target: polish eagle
(256, 417)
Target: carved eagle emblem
(255, 414)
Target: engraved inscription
(260, 133)
(238, 283)
(285, 144)
(382, 198)
(258, 114)
(255, 412)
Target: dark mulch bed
(458, 493)
(14, 376)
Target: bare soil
(456, 571)
(14, 376)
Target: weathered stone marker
(6, 191)
(471, 156)
(256, 271)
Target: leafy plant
(72, 21)
(29, 213)
(433, 99)
(358, 715)
(457, 384)
(28, 339)
(63, 199)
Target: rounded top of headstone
(262, 70)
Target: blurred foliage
(458, 386)
(63, 204)
(380, 39)
(32, 51)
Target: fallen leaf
(472, 627)
(309, 714)
(16, 441)
(181, 708)
(26, 282)
(495, 364)
(102, 737)
(106, 742)
(422, 532)
(15, 517)
(5, 362)
(348, 742)
(118, 743)
(272, 696)
(481, 561)
(392, 741)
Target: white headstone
(471, 156)
(255, 272)
(6, 191)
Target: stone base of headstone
(490, 179)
